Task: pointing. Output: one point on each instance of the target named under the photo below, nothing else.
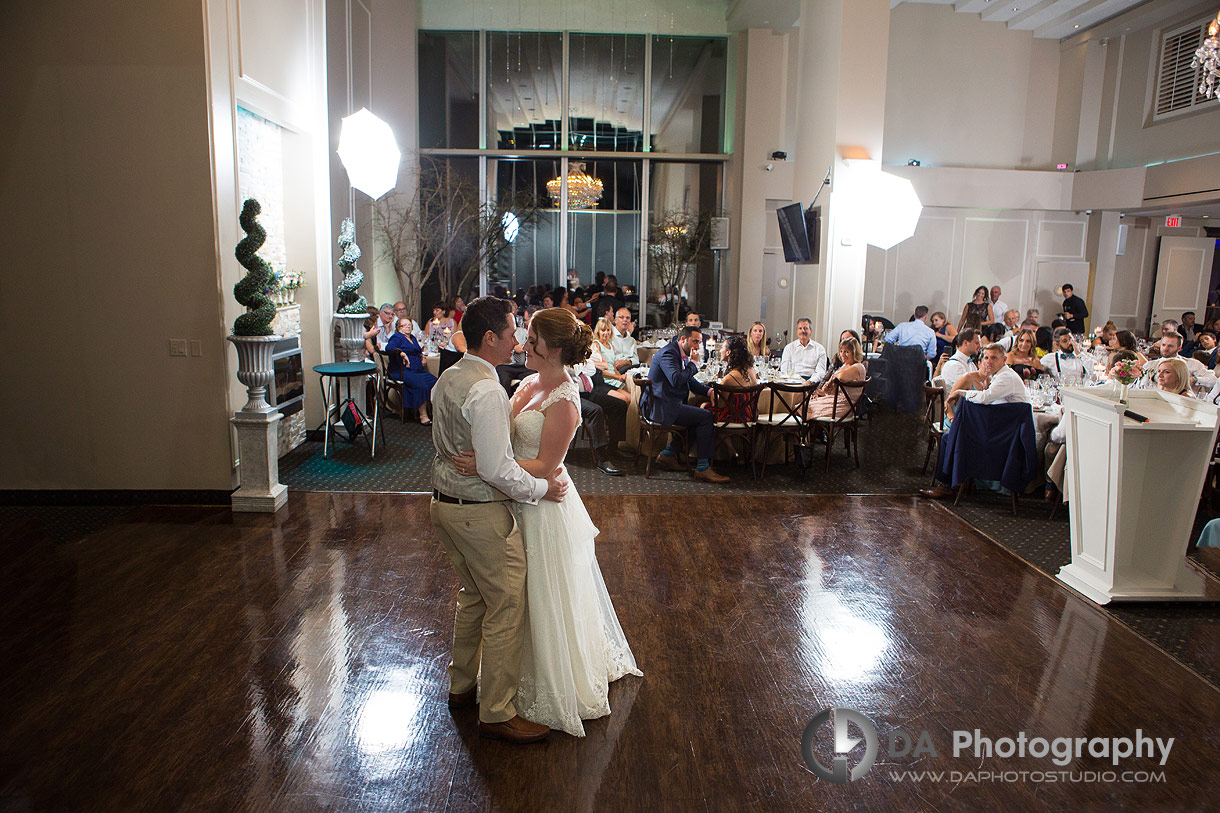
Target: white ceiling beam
(972, 6)
(1041, 12)
(1001, 11)
(1086, 15)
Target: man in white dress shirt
(1064, 363)
(996, 383)
(804, 357)
(998, 308)
(476, 526)
(625, 352)
(962, 362)
(1171, 343)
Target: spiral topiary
(349, 300)
(251, 289)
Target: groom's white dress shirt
(492, 440)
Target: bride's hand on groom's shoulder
(465, 464)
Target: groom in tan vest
(473, 520)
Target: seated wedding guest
(822, 404)
(626, 354)
(603, 359)
(511, 374)
(838, 360)
(406, 363)
(599, 414)
(376, 337)
(977, 311)
(671, 379)
(1170, 344)
(1172, 376)
(1214, 326)
(1168, 325)
(694, 320)
(735, 407)
(945, 332)
(1125, 340)
(456, 308)
(402, 312)
(994, 383)
(1105, 336)
(1044, 339)
(1206, 344)
(439, 321)
(548, 301)
(1023, 359)
(1063, 363)
(915, 333)
(756, 340)
(457, 341)
(1033, 315)
(804, 357)
(962, 361)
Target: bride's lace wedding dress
(574, 646)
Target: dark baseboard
(67, 497)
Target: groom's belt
(439, 495)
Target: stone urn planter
(351, 335)
(255, 369)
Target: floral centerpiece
(1126, 372)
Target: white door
(1183, 273)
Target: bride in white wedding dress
(574, 647)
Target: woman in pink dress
(822, 404)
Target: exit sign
(1173, 222)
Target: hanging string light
(1207, 58)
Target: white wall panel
(1062, 238)
(924, 269)
(994, 253)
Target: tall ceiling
(1047, 19)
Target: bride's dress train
(574, 646)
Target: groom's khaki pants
(485, 546)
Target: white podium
(1133, 489)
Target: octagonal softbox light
(369, 153)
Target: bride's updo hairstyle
(563, 332)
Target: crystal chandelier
(583, 191)
(1208, 59)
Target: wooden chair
(747, 404)
(386, 384)
(847, 423)
(649, 428)
(933, 422)
(789, 403)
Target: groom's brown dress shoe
(709, 476)
(464, 700)
(518, 729)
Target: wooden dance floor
(187, 658)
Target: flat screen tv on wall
(799, 231)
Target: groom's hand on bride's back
(557, 485)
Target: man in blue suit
(672, 376)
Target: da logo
(845, 743)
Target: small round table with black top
(346, 370)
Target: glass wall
(606, 92)
(686, 193)
(524, 87)
(655, 103)
(688, 80)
